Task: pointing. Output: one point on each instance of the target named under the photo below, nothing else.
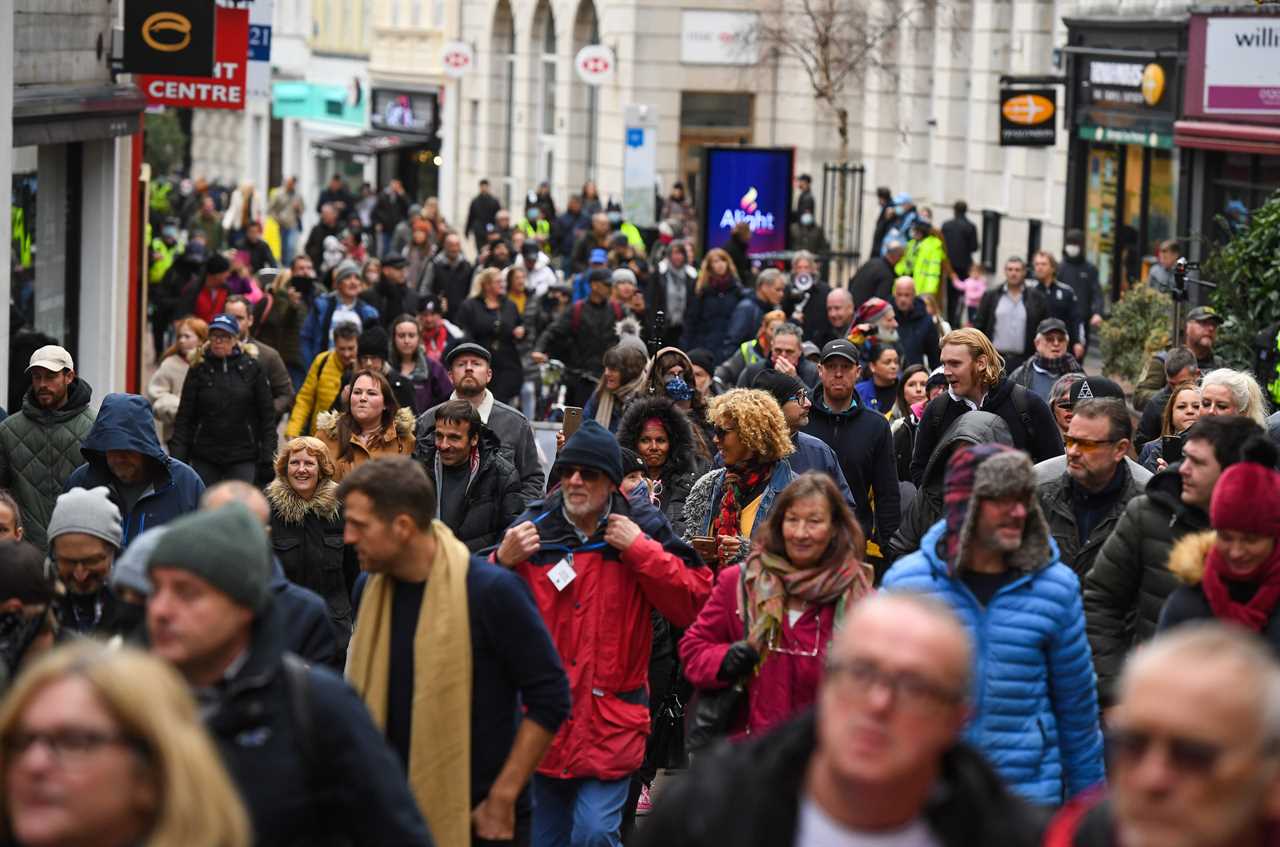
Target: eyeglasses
(1086, 445)
(589, 475)
(68, 745)
(720, 432)
(1128, 747)
(88, 563)
(857, 677)
(799, 397)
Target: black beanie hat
(703, 358)
(217, 264)
(631, 462)
(592, 446)
(780, 385)
(374, 342)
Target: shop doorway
(1130, 202)
(710, 119)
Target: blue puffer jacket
(1035, 700)
(125, 422)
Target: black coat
(392, 300)
(492, 329)
(813, 312)
(306, 786)
(960, 237)
(226, 413)
(741, 261)
(874, 279)
(581, 347)
(681, 468)
(748, 795)
(306, 536)
(493, 498)
(1038, 434)
(452, 282)
(482, 212)
(1037, 310)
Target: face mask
(666, 239)
(615, 218)
(806, 219)
(532, 214)
(1072, 250)
(678, 389)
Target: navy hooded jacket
(125, 422)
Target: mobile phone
(572, 419)
(706, 546)
(1171, 449)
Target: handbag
(714, 711)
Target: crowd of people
(871, 561)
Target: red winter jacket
(787, 681)
(601, 625)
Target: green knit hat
(226, 547)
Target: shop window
(1242, 183)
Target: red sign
(223, 90)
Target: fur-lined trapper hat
(991, 472)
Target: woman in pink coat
(770, 620)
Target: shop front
(1229, 133)
(1124, 90)
(316, 122)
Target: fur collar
(1188, 557)
(404, 424)
(246, 347)
(292, 509)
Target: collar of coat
(293, 509)
(1187, 558)
(402, 425)
(246, 347)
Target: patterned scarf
(1064, 364)
(772, 580)
(720, 284)
(742, 484)
(1258, 610)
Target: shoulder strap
(1019, 398)
(300, 711)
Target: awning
(373, 143)
(52, 114)
(1229, 137)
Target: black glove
(738, 662)
(263, 473)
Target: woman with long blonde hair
(716, 292)
(104, 746)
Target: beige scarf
(440, 745)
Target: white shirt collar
(965, 400)
(485, 407)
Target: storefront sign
(1111, 135)
(223, 90)
(1125, 84)
(595, 64)
(168, 36)
(1028, 117)
(457, 59)
(749, 185)
(1241, 67)
(258, 77)
(312, 102)
(640, 165)
(718, 38)
(405, 111)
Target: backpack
(1017, 396)
(575, 317)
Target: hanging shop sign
(1028, 117)
(457, 58)
(595, 64)
(225, 88)
(168, 36)
(1234, 67)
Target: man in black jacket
(875, 278)
(972, 367)
(1061, 300)
(211, 614)
(1009, 315)
(880, 754)
(478, 489)
(449, 275)
(327, 225)
(481, 213)
(580, 337)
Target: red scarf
(434, 347)
(742, 484)
(1257, 611)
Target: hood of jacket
(681, 458)
(125, 422)
(293, 509)
(969, 428)
(1188, 557)
(403, 423)
(649, 377)
(78, 396)
(490, 446)
(1029, 558)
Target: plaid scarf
(1064, 364)
(742, 484)
(772, 580)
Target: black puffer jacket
(1056, 500)
(225, 414)
(1130, 578)
(306, 536)
(493, 498)
(926, 508)
(681, 468)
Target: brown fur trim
(292, 509)
(1187, 558)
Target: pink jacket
(786, 682)
(973, 287)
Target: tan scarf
(440, 745)
(771, 580)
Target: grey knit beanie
(87, 510)
(225, 547)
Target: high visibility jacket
(162, 258)
(539, 230)
(922, 261)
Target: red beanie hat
(1247, 495)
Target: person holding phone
(1180, 412)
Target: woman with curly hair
(373, 426)
(727, 503)
(768, 621)
(661, 435)
(307, 528)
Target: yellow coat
(319, 390)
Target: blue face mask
(532, 214)
(678, 389)
(615, 218)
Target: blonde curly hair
(314, 446)
(756, 416)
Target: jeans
(578, 812)
(288, 244)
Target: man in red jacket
(596, 577)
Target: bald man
(880, 757)
(917, 334)
(308, 631)
(839, 317)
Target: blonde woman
(164, 389)
(1227, 392)
(105, 747)
(715, 294)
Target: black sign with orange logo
(172, 37)
(1028, 117)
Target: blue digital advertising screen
(751, 184)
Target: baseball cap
(467, 347)
(841, 347)
(1095, 388)
(430, 305)
(530, 249)
(53, 358)
(217, 264)
(598, 257)
(1204, 313)
(226, 323)
(1049, 325)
